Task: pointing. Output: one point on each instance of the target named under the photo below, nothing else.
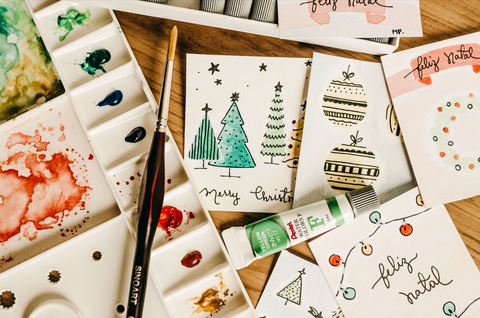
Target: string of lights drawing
(335, 260)
(450, 310)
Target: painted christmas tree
(274, 139)
(293, 291)
(232, 142)
(295, 140)
(204, 146)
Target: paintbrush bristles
(173, 44)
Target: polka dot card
(404, 260)
(351, 134)
(436, 93)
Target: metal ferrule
(164, 103)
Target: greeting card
(351, 134)
(243, 129)
(297, 288)
(404, 260)
(349, 18)
(436, 93)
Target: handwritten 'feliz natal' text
(351, 3)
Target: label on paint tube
(280, 231)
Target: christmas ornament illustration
(406, 229)
(204, 146)
(295, 140)
(232, 142)
(273, 144)
(335, 260)
(350, 166)
(392, 121)
(345, 101)
(338, 313)
(367, 249)
(293, 291)
(450, 310)
(455, 108)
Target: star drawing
(206, 109)
(214, 68)
(278, 87)
(308, 63)
(235, 96)
(263, 67)
(218, 82)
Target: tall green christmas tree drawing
(293, 291)
(204, 146)
(273, 144)
(232, 142)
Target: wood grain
(148, 37)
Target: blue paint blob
(137, 134)
(112, 99)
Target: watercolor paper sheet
(27, 74)
(436, 93)
(297, 288)
(351, 135)
(404, 260)
(243, 129)
(52, 187)
(349, 18)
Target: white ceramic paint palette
(68, 252)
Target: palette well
(77, 262)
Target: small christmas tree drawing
(274, 139)
(293, 291)
(295, 140)
(232, 142)
(204, 146)
(315, 313)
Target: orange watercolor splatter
(456, 157)
(22, 139)
(62, 138)
(457, 105)
(471, 166)
(453, 118)
(62, 128)
(439, 109)
(445, 129)
(470, 95)
(442, 154)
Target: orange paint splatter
(22, 139)
(442, 154)
(470, 95)
(445, 129)
(62, 138)
(453, 118)
(471, 166)
(439, 109)
(457, 105)
(62, 128)
(456, 157)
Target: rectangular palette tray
(188, 11)
(87, 272)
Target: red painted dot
(453, 118)
(470, 95)
(445, 129)
(471, 166)
(457, 105)
(90, 157)
(132, 178)
(439, 109)
(456, 157)
(442, 154)
(118, 183)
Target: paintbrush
(152, 193)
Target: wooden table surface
(148, 37)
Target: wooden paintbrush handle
(149, 209)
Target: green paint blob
(94, 61)
(71, 18)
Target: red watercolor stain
(62, 138)
(456, 157)
(118, 183)
(169, 181)
(453, 118)
(470, 95)
(40, 198)
(439, 109)
(471, 166)
(50, 128)
(62, 128)
(127, 183)
(132, 178)
(457, 105)
(192, 259)
(90, 157)
(442, 154)
(170, 218)
(445, 129)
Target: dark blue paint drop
(137, 134)
(112, 99)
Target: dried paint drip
(54, 277)
(95, 60)
(36, 193)
(112, 99)
(96, 256)
(137, 134)
(192, 259)
(210, 302)
(71, 18)
(120, 309)
(7, 299)
(170, 219)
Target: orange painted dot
(439, 109)
(453, 118)
(470, 95)
(457, 105)
(442, 154)
(455, 157)
(445, 129)
(471, 166)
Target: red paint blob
(456, 157)
(50, 190)
(471, 166)
(170, 218)
(192, 259)
(127, 183)
(23, 139)
(457, 105)
(118, 183)
(470, 95)
(439, 109)
(90, 157)
(445, 129)
(442, 154)
(453, 118)
(169, 181)
(132, 178)
(335, 260)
